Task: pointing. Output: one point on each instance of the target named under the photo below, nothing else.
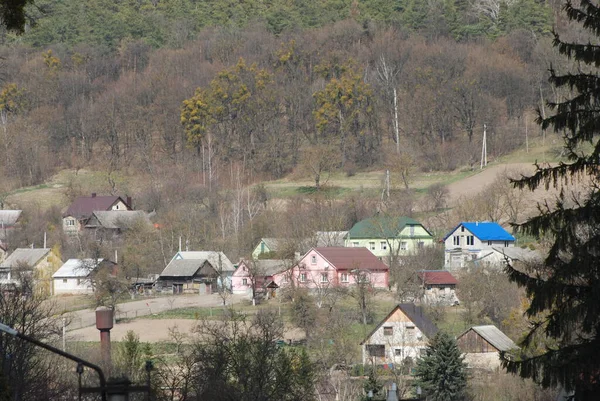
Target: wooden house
(481, 345)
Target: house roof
(267, 267)
(381, 227)
(9, 217)
(415, 314)
(83, 206)
(271, 243)
(485, 231)
(433, 277)
(77, 268)
(351, 258)
(521, 254)
(330, 238)
(25, 256)
(182, 267)
(114, 219)
(213, 257)
(494, 336)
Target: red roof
(437, 277)
(84, 206)
(351, 258)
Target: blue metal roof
(485, 231)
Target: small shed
(73, 277)
(439, 287)
(481, 345)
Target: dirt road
(144, 307)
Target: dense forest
(199, 100)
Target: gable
(407, 313)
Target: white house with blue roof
(469, 242)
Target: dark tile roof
(83, 206)
(416, 315)
(351, 258)
(437, 277)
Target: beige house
(404, 333)
(42, 262)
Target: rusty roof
(433, 277)
(351, 258)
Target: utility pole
(484, 148)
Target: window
(302, 277)
(356, 244)
(456, 240)
(313, 260)
(462, 229)
(383, 245)
(489, 243)
(64, 281)
(70, 222)
(403, 245)
(377, 350)
(420, 244)
(372, 246)
(388, 331)
(470, 240)
(324, 277)
(344, 277)
(117, 206)
(398, 351)
(412, 230)
(505, 244)
(244, 281)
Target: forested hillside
(186, 104)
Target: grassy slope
(55, 192)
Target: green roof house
(389, 236)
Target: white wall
(457, 255)
(71, 285)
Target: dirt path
(476, 183)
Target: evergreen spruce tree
(565, 290)
(441, 373)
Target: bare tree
(362, 291)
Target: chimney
(93, 194)
(104, 322)
(129, 202)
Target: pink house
(259, 273)
(337, 266)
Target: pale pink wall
(313, 272)
(237, 280)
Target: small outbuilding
(74, 277)
(439, 287)
(482, 344)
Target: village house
(439, 287)
(202, 272)
(387, 236)
(286, 248)
(401, 337)
(470, 241)
(258, 273)
(482, 344)
(75, 275)
(81, 210)
(112, 223)
(40, 262)
(335, 266)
